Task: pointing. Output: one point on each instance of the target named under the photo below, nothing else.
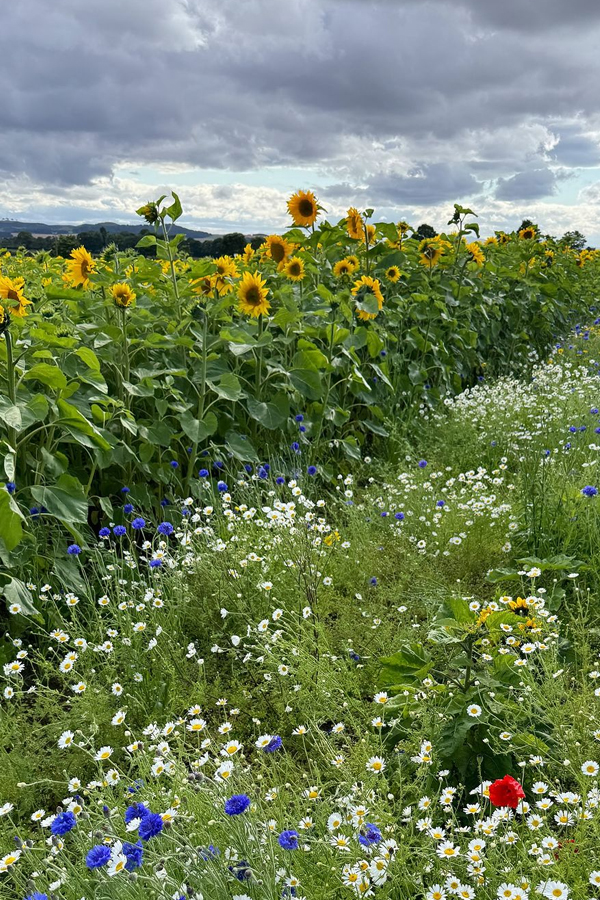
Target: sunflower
(431, 250)
(294, 269)
(529, 233)
(503, 238)
(122, 295)
(303, 208)
(80, 267)
(343, 269)
(225, 270)
(365, 288)
(248, 253)
(205, 285)
(13, 291)
(369, 234)
(476, 253)
(490, 242)
(403, 229)
(353, 260)
(277, 249)
(393, 274)
(354, 224)
(252, 295)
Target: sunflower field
(128, 370)
(299, 567)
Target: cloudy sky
(403, 105)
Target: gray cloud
(408, 103)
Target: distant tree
(233, 243)
(91, 240)
(25, 239)
(573, 239)
(425, 231)
(64, 243)
(104, 235)
(257, 242)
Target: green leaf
(149, 240)
(11, 521)
(198, 430)
(228, 386)
(10, 414)
(76, 421)
(271, 415)
(66, 499)
(89, 358)
(175, 210)
(48, 374)
(241, 447)
(17, 592)
(407, 666)
(307, 382)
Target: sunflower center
(85, 267)
(253, 297)
(306, 208)
(294, 269)
(277, 252)
(12, 295)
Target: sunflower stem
(259, 361)
(201, 402)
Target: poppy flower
(506, 792)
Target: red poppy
(506, 792)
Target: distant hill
(13, 226)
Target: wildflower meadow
(299, 566)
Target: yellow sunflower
(432, 250)
(343, 269)
(528, 234)
(369, 234)
(303, 208)
(294, 269)
(353, 260)
(393, 274)
(503, 238)
(490, 242)
(362, 290)
(278, 249)
(226, 270)
(248, 253)
(205, 285)
(122, 295)
(354, 224)
(476, 253)
(13, 290)
(252, 295)
(80, 267)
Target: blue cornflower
(150, 826)
(266, 467)
(136, 811)
(222, 486)
(274, 744)
(104, 532)
(237, 804)
(185, 511)
(493, 443)
(138, 523)
(155, 563)
(203, 473)
(383, 353)
(210, 852)
(164, 502)
(63, 823)
(241, 870)
(594, 410)
(36, 896)
(137, 785)
(299, 417)
(218, 464)
(119, 530)
(312, 470)
(128, 508)
(10, 487)
(399, 516)
(302, 429)
(165, 528)
(125, 490)
(370, 834)
(262, 472)
(174, 464)
(373, 580)
(288, 840)
(441, 503)
(280, 479)
(98, 856)
(572, 429)
(354, 656)
(384, 515)
(73, 549)
(422, 463)
(248, 468)
(34, 512)
(295, 446)
(134, 854)
(589, 491)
